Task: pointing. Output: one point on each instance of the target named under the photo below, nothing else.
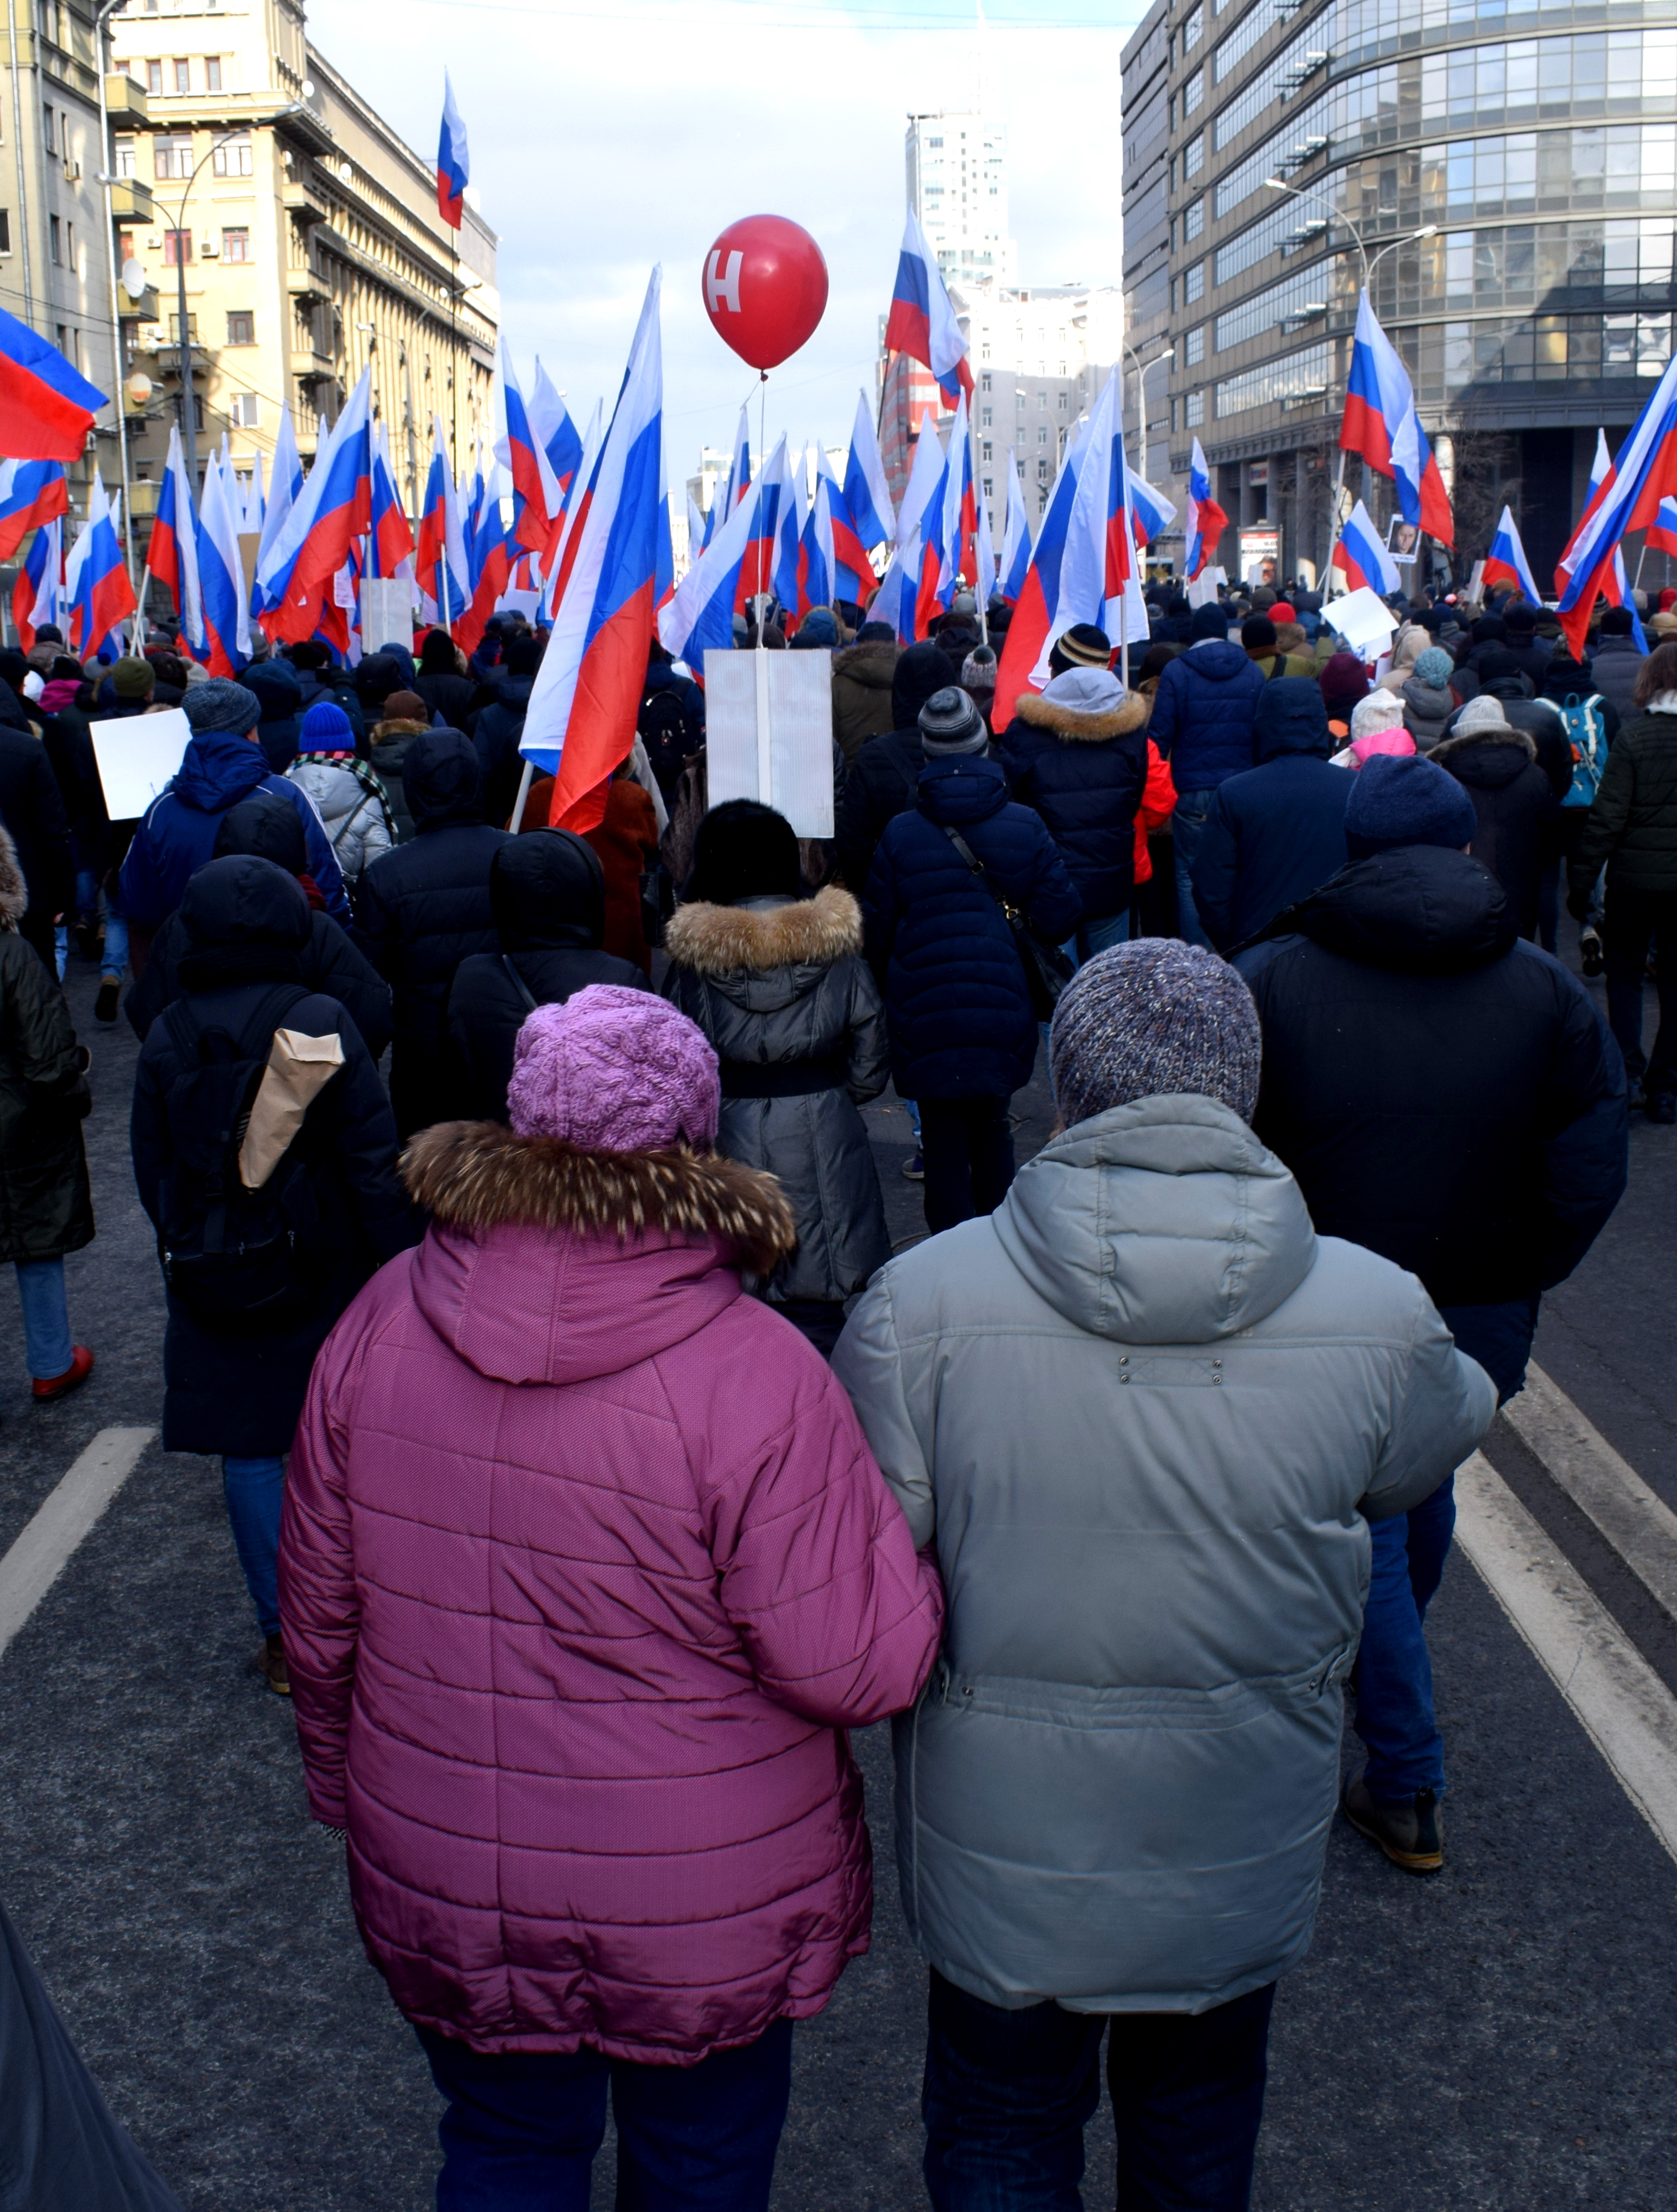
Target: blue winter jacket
(1276, 833)
(1083, 774)
(177, 834)
(962, 1024)
(1202, 714)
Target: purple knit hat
(614, 1070)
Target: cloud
(600, 144)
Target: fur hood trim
(1129, 714)
(1504, 735)
(398, 728)
(478, 1174)
(721, 940)
(14, 892)
(873, 664)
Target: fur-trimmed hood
(1075, 728)
(872, 665)
(14, 891)
(727, 940)
(1492, 733)
(478, 1176)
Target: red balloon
(765, 287)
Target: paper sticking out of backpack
(299, 1068)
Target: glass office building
(1536, 149)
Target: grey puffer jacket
(356, 822)
(780, 987)
(1144, 1411)
(1427, 708)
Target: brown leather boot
(1409, 1829)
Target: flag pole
(524, 782)
(1333, 526)
(978, 485)
(140, 607)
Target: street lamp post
(1169, 355)
(105, 13)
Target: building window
(183, 74)
(125, 149)
(1041, 471)
(1043, 435)
(155, 78)
(1193, 284)
(1192, 29)
(171, 157)
(1041, 402)
(1193, 92)
(55, 234)
(1060, 403)
(70, 261)
(988, 450)
(1194, 155)
(176, 248)
(1019, 401)
(244, 412)
(1193, 221)
(5, 230)
(1196, 345)
(1196, 409)
(984, 385)
(985, 418)
(233, 157)
(51, 142)
(212, 73)
(191, 329)
(240, 327)
(236, 245)
(990, 489)
(125, 248)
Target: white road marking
(45, 1548)
(1638, 1524)
(1623, 1705)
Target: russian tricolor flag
(1506, 562)
(1035, 614)
(867, 496)
(1641, 478)
(556, 434)
(1361, 558)
(389, 536)
(1098, 578)
(815, 559)
(785, 573)
(454, 160)
(1662, 530)
(699, 618)
(1150, 512)
(848, 566)
(537, 499)
(763, 503)
(445, 578)
(561, 555)
(490, 555)
(37, 595)
(46, 408)
(1379, 422)
(1016, 537)
(582, 711)
(1207, 520)
(221, 577)
(918, 518)
(334, 509)
(31, 493)
(97, 595)
(921, 323)
(1615, 585)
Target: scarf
(364, 775)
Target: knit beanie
(742, 850)
(133, 679)
(978, 670)
(405, 707)
(1209, 620)
(1084, 646)
(1152, 1018)
(614, 1070)
(1435, 667)
(1257, 633)
(818, 629)
(1379, 711)
(950, 724)
(1478, 715)
(1407, 801)
(1343, 684)
(326, 729)
(218, 704)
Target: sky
(606, 137)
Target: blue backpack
(1587, 734)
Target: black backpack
(239, 1261)
(669, 731)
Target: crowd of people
(593, 1464)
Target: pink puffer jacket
(586, 1567)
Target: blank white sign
(136, 755)
(793, 693)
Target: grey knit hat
(1151, 1018)
(978, 670)
(217, 704)
(949, 724)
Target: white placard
(386, 613)
(1363, 620)
(1204, 587)
(768, 718)
(135, 755)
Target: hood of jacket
(14, 893)
(1162, 1222)
(392, 737)
(872, 666)
(921, 670)
(1290, 719)
(1516, 684)
(1073, 727)
(545, 1263)
(1430, 700)
(276, 684)
(1486, 759)
(513, 692)
(441, 780)
(245, 903)
(547, 893)
(1215, 661)
(758, 937)
(60, 694)
(1421, 908)
(216, 770)
(970, 787)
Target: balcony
(125, 102)
(131, 201)
(307, 284)
(145, 309)
(304, 201)
(143, 495)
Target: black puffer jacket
(1445, 1093)
(547, 896)
(248, 922)
(1082, 769)
(780, 987)
(1631, 828)
(45, 1205)
(496, 729)
(32, 810)
(387, 752)
(885, 775)
(1513, 805)
(424, 908)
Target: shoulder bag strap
(518, 984)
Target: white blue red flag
(1016, 537)
(867, 494)
(1615, 585)
(790, 517)
(440, 558)
(764, 500)
(940, 540)
(557, 561)
(1205, 520)
(1506, 562)
(1098, 568)
(255, 510)
(37, 595)
(850, 568)
(1662, 530)
(1361, 559)
(1379, 422)
(390, 535)
(227, 619)
(490, 556)
(453, 160)
(582, 711)
(98, 596)
(698, 530)
(1150, 512)
(1035, 615)
(920, 516)
(815, 560)
(334, 508)
(739, 474)
(46, 407)
(558, 435)
(984, 583)
(699, 618)
(921, 322)
(31, 493)
(1641, 477)
(172, 556)
(537, 498)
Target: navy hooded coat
(1275, 832)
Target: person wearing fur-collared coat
(778, 984)
(1076, 755)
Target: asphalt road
(1504, 2035)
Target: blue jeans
(1097, 934)
(255, 1493)
(1187, 827)
(46, 1341)
(1394, 1713)
(1008, 2094)
(522, 2127)
(115, 957)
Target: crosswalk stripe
(45, 1546)
(1638, 1524)
(1623, 1705)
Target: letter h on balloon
(722, 285)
